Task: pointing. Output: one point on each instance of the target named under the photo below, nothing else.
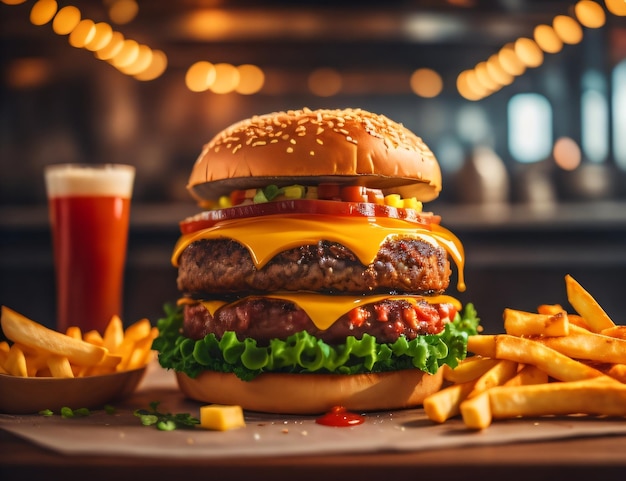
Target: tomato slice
(354, 193)
(329, 192)
(209, 218)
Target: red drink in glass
(89, 214)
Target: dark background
(81, 109)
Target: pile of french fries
(547, 363)
(33, 350)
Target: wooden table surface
(596, 458)
(591, 457)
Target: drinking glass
(89, 209)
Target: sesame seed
(289, 150)
(288, 125)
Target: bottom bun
(313, 393)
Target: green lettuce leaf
(304, 353)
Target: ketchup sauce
(339, 417)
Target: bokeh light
(566, 153)
(426, 83)
(43, 11)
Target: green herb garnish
(67, 412)
(165, 421)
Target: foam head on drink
(89, 214)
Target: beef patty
(264, 319)
(403, 265)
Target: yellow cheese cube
(394, 200)
(294, 192)
(413, 203)
(221, 418)
(224, 201)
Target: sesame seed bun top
(310, 147)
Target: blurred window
(619, 114)
(530, 127)
(449, 152)
(594, 117)
(472, 124)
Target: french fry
(470, 369)
(528, 374)
(482, 345)
(617, 371)
(587, 306)
(15, 363)
(140, 353)
(20, 329)
(445, 404)
(138, 330)
(93, 337)
(4, 354)
(590, 346)
(475, 408)
(108, 365)
(576, 321)
(60, 366)
(501, 372)
(113, 334)
(476, 411)
(548, 363)
(596, 397)
(578, 329)
(555, 364)
(521, 323)
(618, 332)
(36, 361)
(549, 309)
(34, 350)
(74, 331)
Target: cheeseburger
(312, 277)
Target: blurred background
(522, 101)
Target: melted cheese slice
(324, 310)
(266, 236)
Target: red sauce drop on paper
(340, 417)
